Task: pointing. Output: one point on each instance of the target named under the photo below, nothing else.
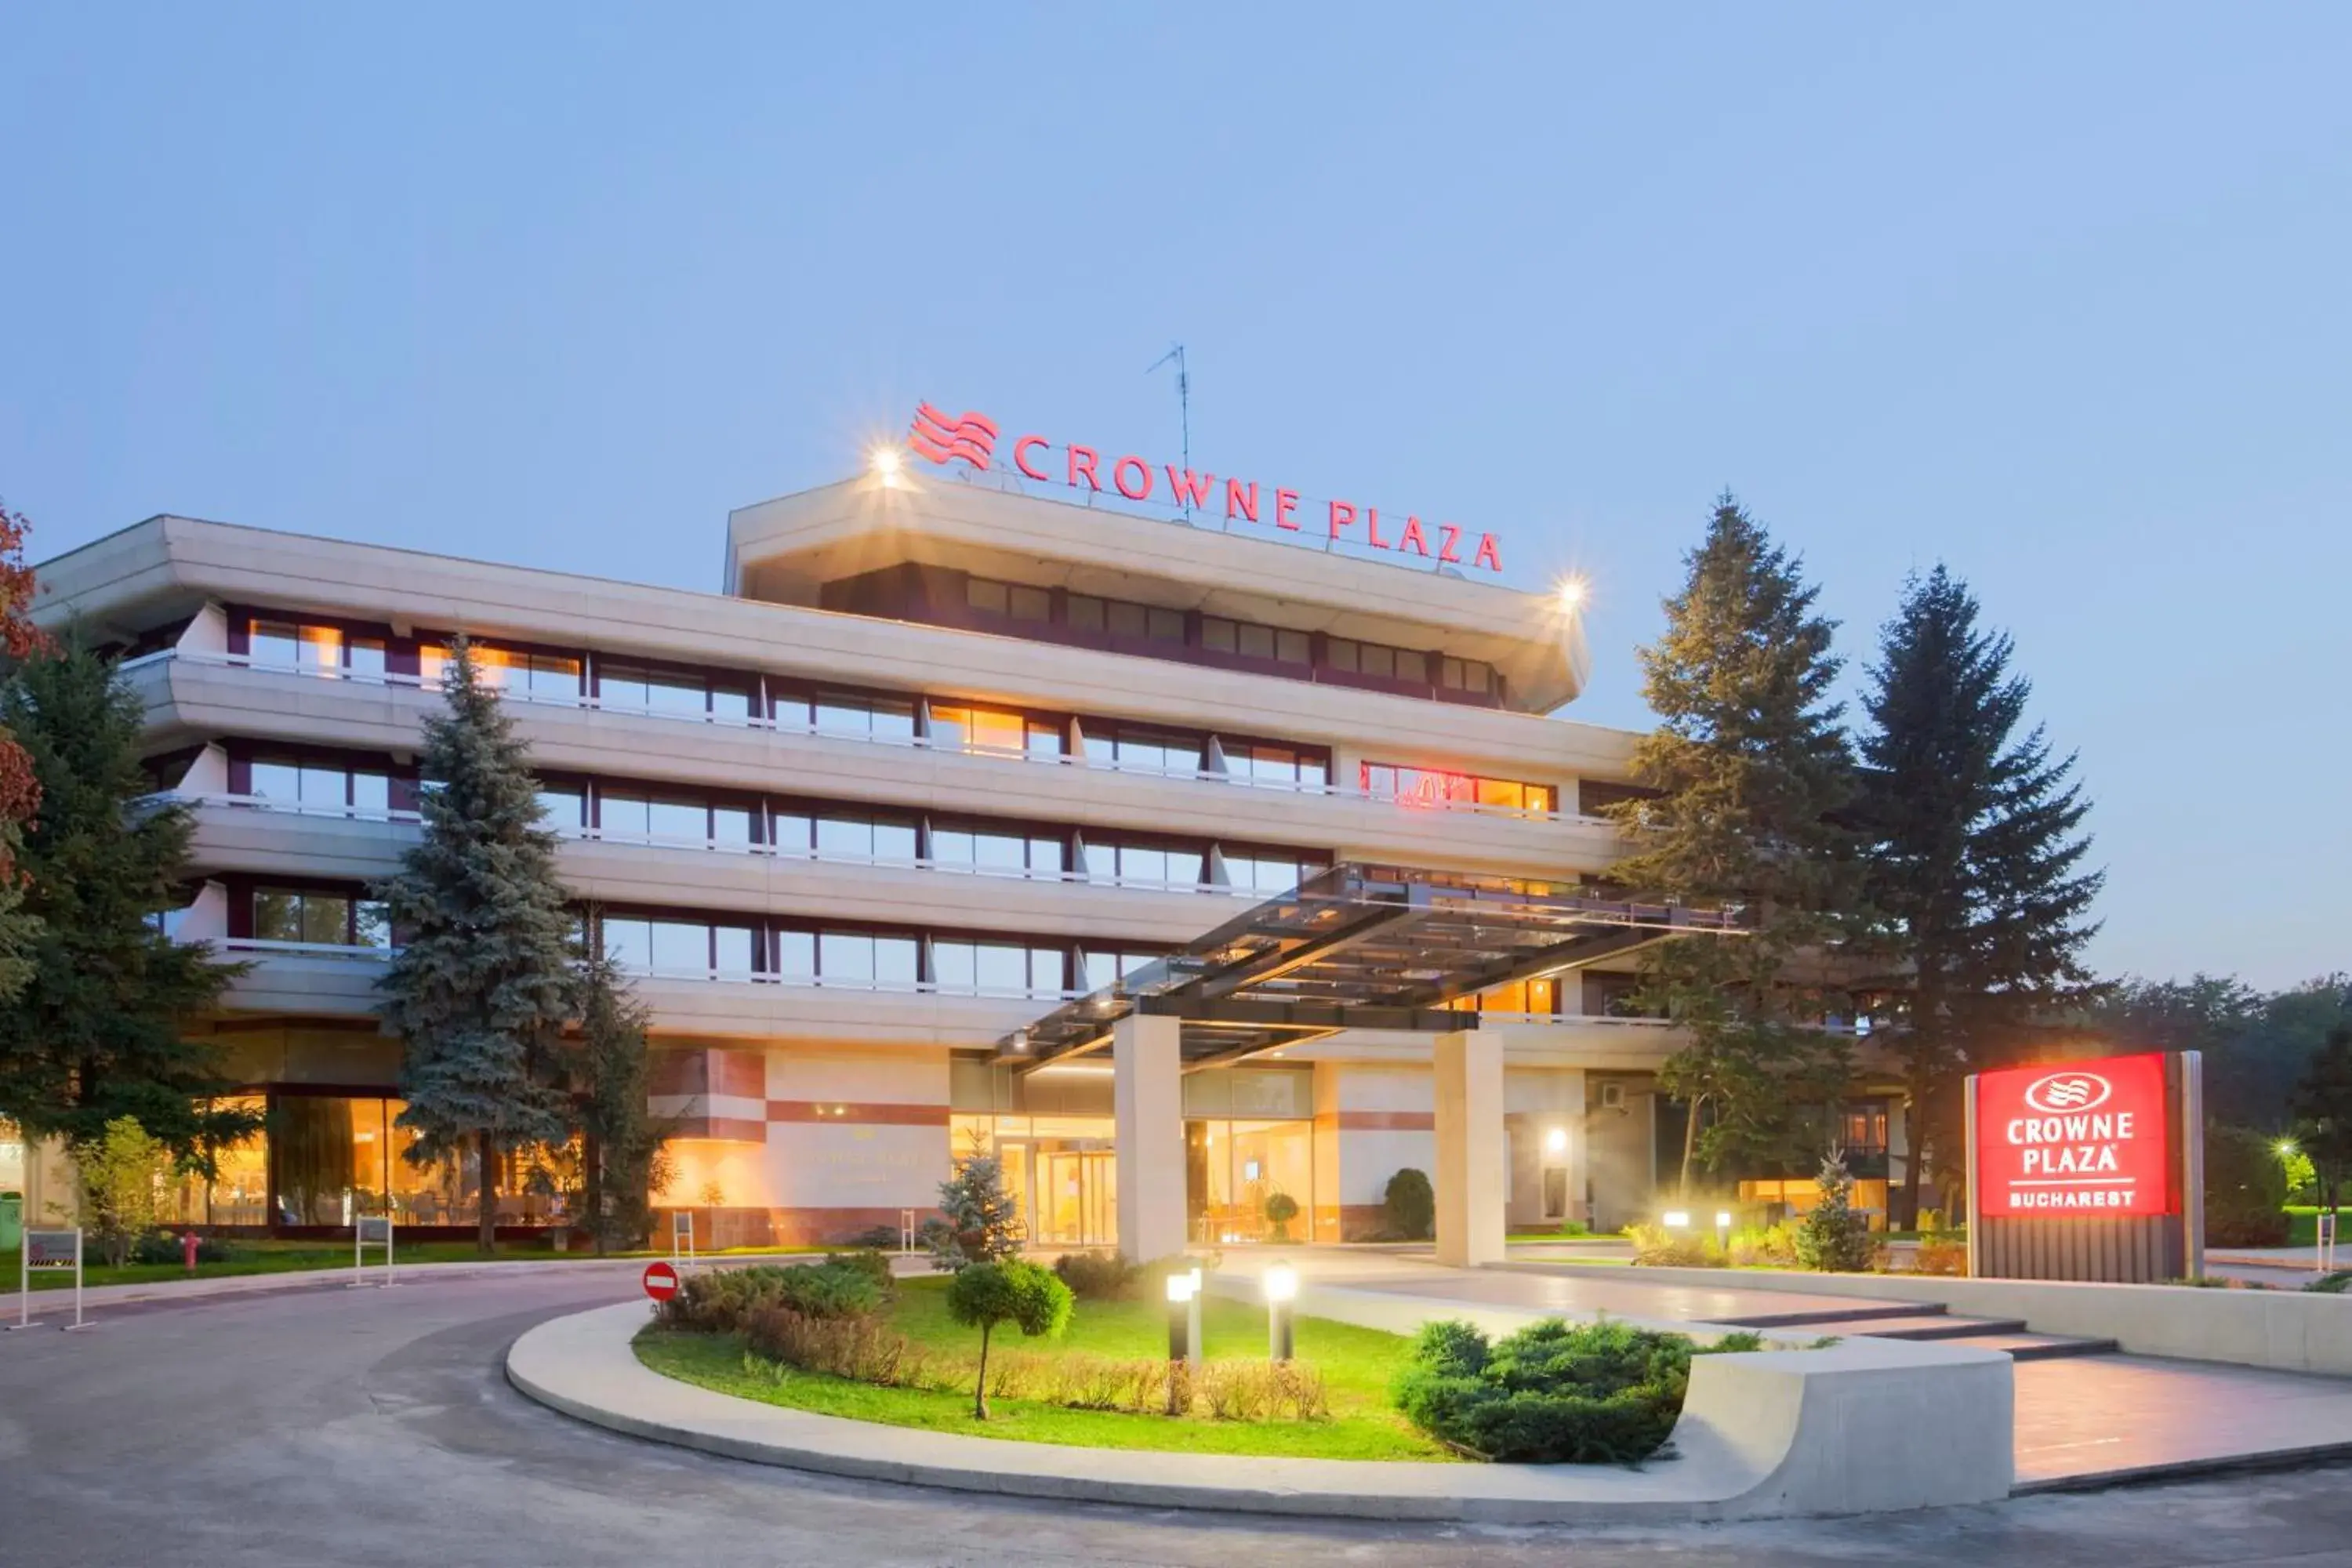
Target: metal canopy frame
(1360, 946)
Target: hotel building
(941, 756)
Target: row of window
(1247, 639)
(1435, 787)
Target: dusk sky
(2054, 295)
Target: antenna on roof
(1184, 401)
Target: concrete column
(1147, 1116)
(1470, 1179)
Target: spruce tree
(1974, 855)
(1750, 768)
(620, 1137)
(96, 1032)
(483, 981)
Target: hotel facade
(944, 755)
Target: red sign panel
(661, 1282)
(2081, 1139)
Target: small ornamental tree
(983, 1295)
(1281, 1209)
(122, 1172)
(1835, 1238)
(484, 981)
(1410, 1205)
(980, 1221)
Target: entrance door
(1076, 1198)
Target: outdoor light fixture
(1723, 1219)
(2286, 1149)
(1281, 1284)
(1183, 1307)
(1556, 1140)
(886, 462)
(1572, 591)
(1677, 1219)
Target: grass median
(1356, 1364)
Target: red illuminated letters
(2079, 1138)
(1343, 513)
(1143, 477)
(1021, 456)
(1489, 555)
(1373, 529)
(1411, 538)
(1190, 490)
(1082, 461)
(1447, 541)
(1285, 503)
(1239, 503)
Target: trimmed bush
(1281, 1209)
(721, 1300)
(1656, 1246)
(1553, 1393)
(1100, 1276)
(163, 1246)
(1412, 1205)
(983, 1295)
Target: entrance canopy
(1361, 947)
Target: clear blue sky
(2055, 294)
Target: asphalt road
(373, 1427)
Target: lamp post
(1192, 1323)
(1723, 1228)
(1281, 1282)
(1181, 1306)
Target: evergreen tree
(20, 788)
(1834, 1237)
(981, 1222)
(483, 981)
(95, 1034)
(1750, 767)
(1974, 858)
(620, 1139)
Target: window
(1275, 764)
(998, 968)
(329, 920)
(857, 958)
(1031, 603)
(564, 808)
(1864, 1130)
(316, 787)
(1009, 853)
(641, 689)
(1219, 636)
(1267, 876)
(989, 598)
(966, 728)
(681, 949)
(1532, 996)
(866, 717)
(622, 814)
(1147, 864)
(1151, 623)
(1108, 965)
(1147, 750)
(1469, 675)
(1085, 612)
(1432, 786)
(549, 677)
(1377, 659)
(864, 838)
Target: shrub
(1261, 1390)
(2335, 1284)
(1554, 1392)
(122, 1173)
(1942, 1254)
(867, 1262)
(1412, 1205)
(1656, 1246)
(1769, 1245)
(720, 1300)
(1281, 1209)
(1098, 1276)
(983, 1295)
(860, 1348)
(2245, 1189)
(875, 1238)
(1834, 1237)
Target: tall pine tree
(1975, 855)
(96, 1032)
(1751, 766)
(621, 1139)
(483, 981)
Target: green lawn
(2303, 1226)
(297, 1256)
(1356, 1364)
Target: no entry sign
(661, 1282)
(2088, 1139)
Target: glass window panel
(791, 833)
(843, 836)
(1182, 867)
(1292, 648)
(326, 919)
(1449, 673)
(681, 947)
(1102, 861)
(554, 676)
(1501, 794)
(733, 826)
(1219, 634)
(277, 781)
(372, 923)
(1047, 967)
(372, 792)
(629, 942)
(1045, 857)
(990, 597)
(894, 840)
(844, 716)
(1412, 665)
(951, 846)
(1046, 738)
(321, 648)
(1001, 968)
(364, 656)
(1102, 751)
(685, 820)
(621, 688)
(273, 642)
(325, 786)
(276, 917)
(625, 816)
(952, 965)
(562, 808)
(730, 702)
(1343, 653)
(317, 1160)
(1311, 770)
(1127, 620)
(892, 720)
(1477, 677)
(1085, 612)
(671, 694)
(796, 953)
(1000, 852)
(1165, 626)
(734, 949)
(1258, 642)
(1377, 660)
(1031, 604)
(1542, 797)
(845, 956)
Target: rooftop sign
(972, 438)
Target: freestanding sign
(371, 1230)
(2088, 1171)
(660, 1281)
(47, 1249)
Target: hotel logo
(972, 438)
(2065, 1091)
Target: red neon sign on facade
(971, 438)
(2084, 1139)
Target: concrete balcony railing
(195, 697)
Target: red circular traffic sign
(661, 1282)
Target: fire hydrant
(188, 1249)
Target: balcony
(191, 698)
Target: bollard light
(1192, 1335)
(1281, 1284)
(1677, 1219)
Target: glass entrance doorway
(1067, 1192)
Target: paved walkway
(2080, 1420)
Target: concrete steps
(1933, 1322)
